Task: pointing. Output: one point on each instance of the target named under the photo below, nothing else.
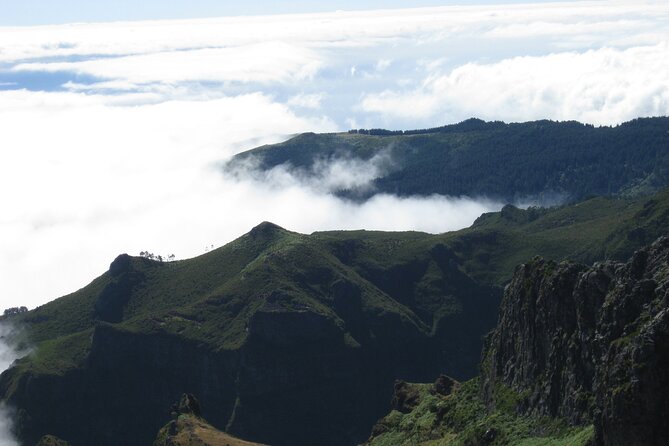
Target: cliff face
(121, 392)
(588, 345)
(268, 390)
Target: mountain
(289, 338)
(580, 356)
(542, 161)
(263, 331)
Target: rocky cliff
(588, 344)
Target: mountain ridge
(288, 319)
(541, 161)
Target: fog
(8, 354)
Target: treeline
(471, 124)
(157, 257)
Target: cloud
(290, 202)
(8, 354)
(302, 100)
(261, 63)
(6, 423)
(325, 176)
(604, 86)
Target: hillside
(543, 161)
(261, 330)
(271, 325)
(579, 357)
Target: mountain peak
(265, 228)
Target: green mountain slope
(274, 320)
(540, 160)
(274, 324)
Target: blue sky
(112, 134)
(45, 12)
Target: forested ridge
(539, 160)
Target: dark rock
(444, 385)
(264, 231)
(188, 404)
(588, 344)
(405, 398)
(490, 435)
(120, 265)
(109, 306)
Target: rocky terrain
(588, 344)
(188, 428)
(580, 356)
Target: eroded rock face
(405, 398)
(128, 380)
(588, 344)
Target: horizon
(42, 12)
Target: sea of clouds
(112, 135)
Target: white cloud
(302, 100)
(262, 63)
(604, 86)
(301, 201)
(383, 64)
(6, 423)
(325, 176)
(8, 354)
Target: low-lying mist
(8, 354)
(84, 192)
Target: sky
(113, 134)
(49, 12)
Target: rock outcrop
(188, 428)
(588, 344)
(50, 440)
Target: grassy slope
(189, 430)
(461, 419)
(211, 298)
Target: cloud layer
(601, 86)
(112, 135)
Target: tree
(157, 257)
(15, 310)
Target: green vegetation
(419, 301)
(212, 297)
(541, 160)
(461, 419)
